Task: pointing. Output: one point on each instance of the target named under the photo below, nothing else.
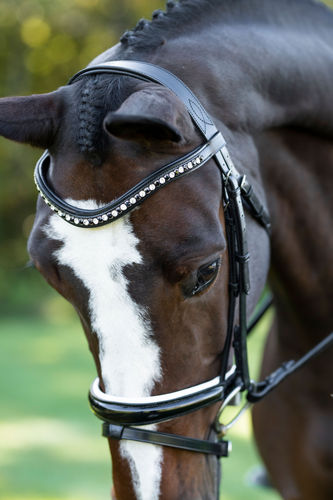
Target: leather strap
(256, 207)
(266, 303)
(240, 256)
(149, 72)
(219, 448)
(132, 198)
(141, 414)
(261, 389)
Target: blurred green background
(50, 444)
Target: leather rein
(122, 416)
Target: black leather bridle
(123, 416)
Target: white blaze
(129, 357)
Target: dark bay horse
(151, 289)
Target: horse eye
(204, 278)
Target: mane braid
(152, 33)
(89, 113)
(147, 35)
(98, 94)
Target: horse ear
(153, 113)
(32, 120)
(136, 127)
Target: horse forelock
(96, 95)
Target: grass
(50, 444)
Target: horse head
(150, 278)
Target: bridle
(122, 416)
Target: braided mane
(165, 23)
(89, 111)
(184, 14)
(96, 94)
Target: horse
(158, 275)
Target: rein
(121, 414)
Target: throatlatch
(121, 414)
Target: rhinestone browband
(132, 198)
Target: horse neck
(276, 76)
(296, 169)
(269, 63)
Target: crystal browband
(132, 198)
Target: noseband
(121, 414)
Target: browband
(132, 198)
